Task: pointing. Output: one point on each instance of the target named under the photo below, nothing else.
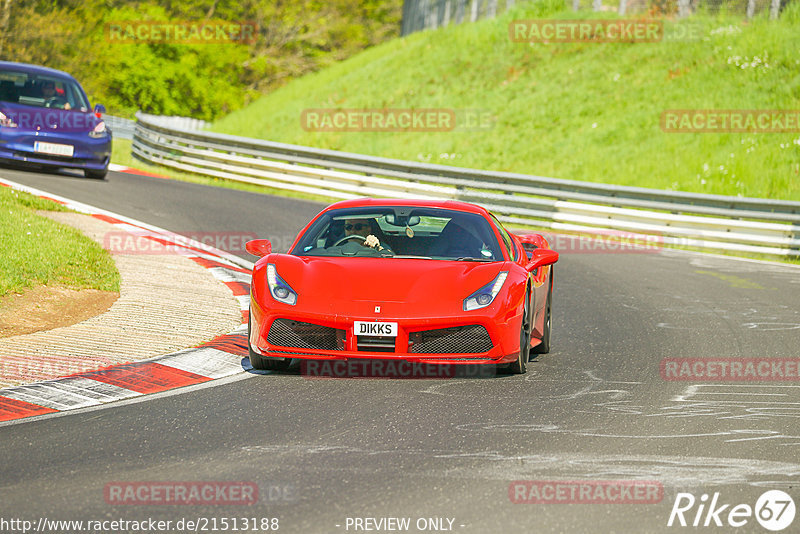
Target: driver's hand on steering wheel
(372, 242)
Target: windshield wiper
(471, 258)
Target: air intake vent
(470, 339)
(288, 333)
(375, 344)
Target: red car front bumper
(472, 338)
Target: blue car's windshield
(401, 232)
(43, 91)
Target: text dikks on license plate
(371, 328)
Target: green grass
(37, 250)
(582, 111)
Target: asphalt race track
(324, 450)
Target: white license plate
(372, 328)
(53, 148)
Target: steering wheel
(345, 238)
(56, 102)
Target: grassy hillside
(583, 111)
(38, 250)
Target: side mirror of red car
(258, 247)
(541, 257)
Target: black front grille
(375, 344)
(469, 339)
(288, 333)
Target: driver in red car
(368, 229)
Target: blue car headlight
(485, 295)
(7, 122)
(278, 288)
(99, 130)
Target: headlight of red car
(485, 295)
(278, 288)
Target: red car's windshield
(43, 91)
(401, 232)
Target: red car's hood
(356, 285)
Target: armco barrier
(687, 219)
(120, 128)
(124, 128)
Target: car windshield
(401, 232)
(43, 91)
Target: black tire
(520, 366)
(261, 363)
(96, 175)
(544, 346)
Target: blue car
(46, 120)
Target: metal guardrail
(696, 220)
(120, 128)
(124, 128)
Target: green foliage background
(204, 81)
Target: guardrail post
(683, 8)
(774, 9)
(460, 4)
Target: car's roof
(423, 203)
(33, 69)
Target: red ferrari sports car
(438, 282)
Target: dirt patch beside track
(47, 307)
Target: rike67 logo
(774, 510)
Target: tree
(5, 14)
